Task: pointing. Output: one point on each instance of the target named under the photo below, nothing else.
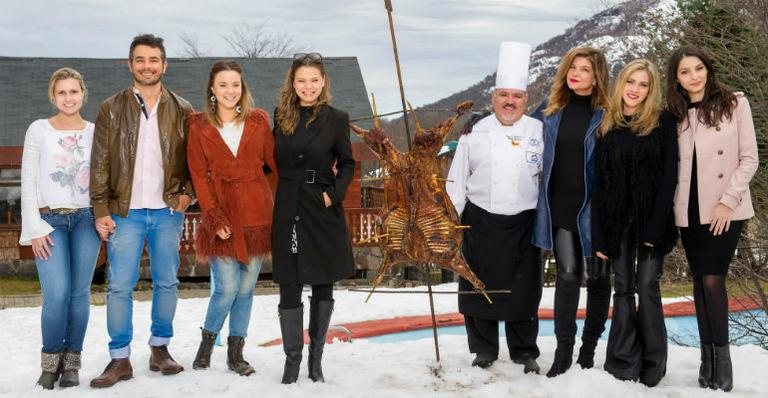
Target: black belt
(308, 176)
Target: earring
(238, 110)
(213, 102)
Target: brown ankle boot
(116, 370)
(204, 351)
(235, 360)
(161, 361)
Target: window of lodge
(10, 196)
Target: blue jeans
(161, 230)
(65, 278)
(232, 294)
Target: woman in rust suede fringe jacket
(229, 151)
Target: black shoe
(319, 319)
(484, 360)
(529, 365)
(705, 369)
(292, 330)
(562, 362)
(722, 378)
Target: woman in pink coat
(718, 157)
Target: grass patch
(12, 286)
(685, 288)
(676, 288)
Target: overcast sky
(444, 45)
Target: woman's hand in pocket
(327, 199)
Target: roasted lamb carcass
(419, 223)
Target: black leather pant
(570, 271)
(637, 342)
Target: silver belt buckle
(311, 176)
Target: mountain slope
(617, 30)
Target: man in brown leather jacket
(140, 189)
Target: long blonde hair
(560, 93)
(288, 102)
(245, 103)
(646, 116)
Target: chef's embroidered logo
(533, 157)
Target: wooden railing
(362, 224)
(361, 221)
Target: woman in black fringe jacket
(632, 221)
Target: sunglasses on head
(307, 57)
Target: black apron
(498, 249)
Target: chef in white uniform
(494, 184)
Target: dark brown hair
(150, 40)
(719, 100)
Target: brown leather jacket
(114, 151)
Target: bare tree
(256, 40)
(191, 46)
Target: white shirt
(148, 171)
(231, 132)
(55, 173)
(497, 167)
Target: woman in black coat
(310, 241)
(632, 221)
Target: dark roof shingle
(24, 82)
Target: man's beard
(150, 83)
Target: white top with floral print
(55, 173)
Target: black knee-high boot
(598, 301)
(566, 305)
(567, 249)
(319, 319)
(292, 330)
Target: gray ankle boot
(235, 360)
(50, 363)
(70, 368)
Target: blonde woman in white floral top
(58, 223)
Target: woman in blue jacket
(571, 117)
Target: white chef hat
(512, 72)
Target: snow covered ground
(357, 369)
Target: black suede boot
(292, 330)
(235, 360)
(319, 319)
(722, 378)
(562, 362)
(566, 305)
(203, 356)
(707, 362)
(598, 302)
